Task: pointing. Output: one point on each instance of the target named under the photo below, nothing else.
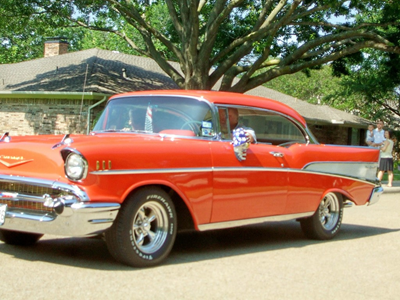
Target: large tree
(239, 43)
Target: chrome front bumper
(375, 195)
(48, 207)
(79, 219)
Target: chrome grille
(23, 190)
(26, 205)
(28, 189)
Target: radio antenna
(83, 91)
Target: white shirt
(379, 136)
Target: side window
(270, 127)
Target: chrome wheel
(326, 221)
(329, 210)
(145, 229)
(150, 227)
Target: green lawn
(396, 175)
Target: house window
(355, 136)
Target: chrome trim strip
(151, 171)
(352, 169)
(348, 146)
(236, 223)
(222, 169)
(31, 216)
(23, 197)
(340, 162)
(187, 170)
(255, 169)
(372, 182)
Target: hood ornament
(66, 140)
(5, 138)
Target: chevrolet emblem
(10, 165)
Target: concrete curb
(393, 189)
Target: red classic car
(158, 162)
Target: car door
(255, 187)
(252, 188)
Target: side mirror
(241, 142)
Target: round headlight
(75, 167)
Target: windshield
(157, 114)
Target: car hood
(28, 155)
(40, 156)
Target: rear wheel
(19, 238)
(145, 229)
(326, 221)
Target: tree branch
(284, 69)
(130, 12)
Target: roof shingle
(102, 71)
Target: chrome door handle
(276, 154)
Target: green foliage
(371, 88)
(365, 83)
(313, 86)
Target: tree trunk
(196, 78)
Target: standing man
(379, 135)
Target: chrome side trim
(151, 171)
(253, 169)
(236, 223)
(372, 182)
(361, 170)
(223, 169)
(188, 170)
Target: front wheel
(326, 221)
(19, 238)
(145, 229)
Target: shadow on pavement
(92, 253)
(198, 246)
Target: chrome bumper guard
(69, 213)
(375, 195)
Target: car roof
(224, 98)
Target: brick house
(64, 92)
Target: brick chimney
(55, 46)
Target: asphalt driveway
(271, 261)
